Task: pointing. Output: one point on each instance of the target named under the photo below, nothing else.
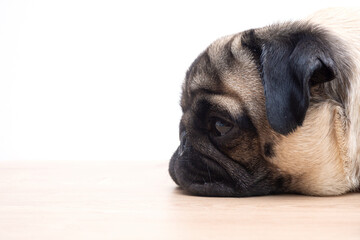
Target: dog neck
(344, 25)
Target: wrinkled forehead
(223, 69)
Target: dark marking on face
(268, 150)
(253, 43)
(244, 122)
(204, 67)
(229, 58)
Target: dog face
(257, 118)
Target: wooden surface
(115, 200)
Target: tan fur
(313, 153)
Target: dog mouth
(219, 176)
(200, 175)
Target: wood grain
(138, 200)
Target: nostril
(182, 143)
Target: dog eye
(220, 127)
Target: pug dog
(274, 110)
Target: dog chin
(199, 175)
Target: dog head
(257, 118)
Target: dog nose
(182, 143)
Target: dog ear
(289, 65)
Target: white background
(101, 80)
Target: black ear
(289, 65)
